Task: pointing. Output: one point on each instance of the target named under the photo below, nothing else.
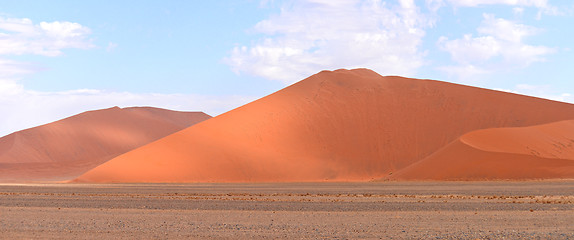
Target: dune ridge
(343, 125)
(64, 149)
(535, 152)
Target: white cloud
(471, 49)
(542, 5)
(467, 72)
(518, 11)
(20, 36)
(474, 3)
(10, 68)
(313, 35)
(111, 47)
(498, 38)
(434, 5)
(9, 88)
(541, 91)
(505, 30)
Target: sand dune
(536, 152)
(344, 125)
(67, 148)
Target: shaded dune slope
(343, 125)
(536, 152)
(67, 148)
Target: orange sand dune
(67, 148)
(344, 125)
(536, 152)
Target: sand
(65, 149)
(343, 125)
(543, 151)
(391, 210)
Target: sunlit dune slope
(67, 148)
(536, 152)
(344, 125)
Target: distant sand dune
(65, 149)
(344, 125)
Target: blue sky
(59, 58)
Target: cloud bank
(309, 36)
(499, 46)
(21, 36)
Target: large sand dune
(542, 151)
(67, 148)
(344, 125)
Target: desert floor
(387, 210)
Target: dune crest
(536, 152)
(343, 125)
(65, 149)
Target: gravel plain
(384, 210)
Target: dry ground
(388, 210)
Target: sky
(59, 57)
